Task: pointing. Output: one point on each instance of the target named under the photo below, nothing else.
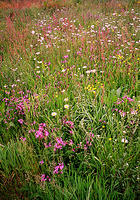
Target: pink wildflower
(41, 162)
(20, 121)
(23, 139)
(59, 168)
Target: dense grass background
(69, 101)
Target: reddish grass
(20, 4)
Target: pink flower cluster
(20, 121)
(45, 178)
(21, 102)
(119, 101)
(59, 144)
(128, 98)
(121, 112)
(42, 132)
(23, 138)
(70, 123)
(125, 100)
(89, 141)
(47, 145)
(59, 168)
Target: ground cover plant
(69, 101)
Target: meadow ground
(69, 104)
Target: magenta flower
(70, 123)
(59, 144)
(66, 56)
(41, 162)
(20, 121)
(23, 139)
(71, 143)
(42, 132)
(59, 168)
(43, 177)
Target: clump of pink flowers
(45, 178)
(70, 123)
(58, 168)
(20, 121)
(119, 100)
(23, 139)
(42, 131)
(59, 144)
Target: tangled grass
(69, 102)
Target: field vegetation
(69, 101)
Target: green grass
(69, 97)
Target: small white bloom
(63, 70)
(37, 53)
(66, 106)
(88, 72)
(93, 70)
(53, 114)
(33, 32)
(133, 112)
(124, 140)
(124, 131)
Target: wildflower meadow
(69, 99)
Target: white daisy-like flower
(93, 70)
(66, 106)
(53, 114)
(88, 72)
(33, 32)
(37, 53)
(124, 140)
